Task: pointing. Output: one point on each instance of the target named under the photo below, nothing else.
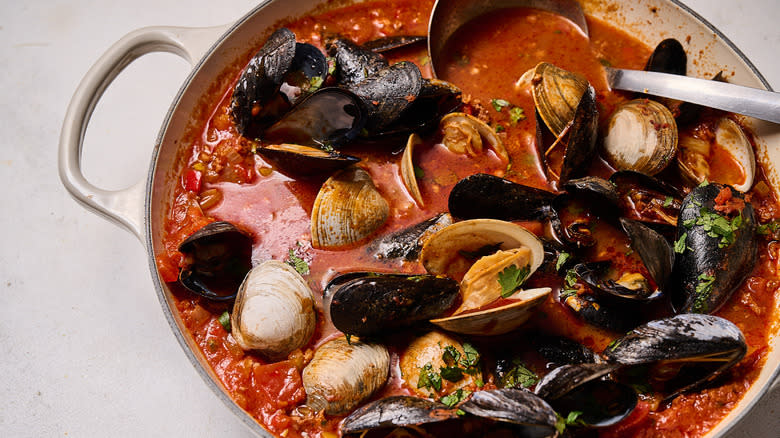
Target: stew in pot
(511, 248)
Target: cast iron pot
(217, 54)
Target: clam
(717, 248)
(217, 257)
(372, 304)
(407, 169)
(501, 248)
(348, 209)
(642, 136)
(695, 155)
(432, 353)
(466, 134)
(557, 94)
(274, 311)
(342, 374)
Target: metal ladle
(449, 15)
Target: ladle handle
(761, 104)
(124, 207)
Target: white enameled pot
(216, 55)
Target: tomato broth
(486, 59)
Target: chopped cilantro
(499, 104)
(453, 374)
(516, 114)
(471, 356)
(456, 397)
(224, 320)
(460, 412)
(315, 83)
(573, 419)
(679, 245)
(566, 293)
(614, 344)
(451, 355)
(718, 226)
(668, 201)
(704, 183)
(298, 263)
(520, 376)
(571, 278)
(418, 172)
(511, 278)
(500, 128)
(428, 378)
(605, 62)
(562, 259)
(769, 227)
(703, 292)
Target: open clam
(466, 134)
(556, 92)
(348, 209)
(485, 253)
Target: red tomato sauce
(275, 209)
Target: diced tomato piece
(192, 180)
(281, 382)
(169, 270)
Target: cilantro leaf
(456, 397)
(471, 356)
(703, 292)
(499, 104)
(298, 263)
(520, 376)
(428, 378)
(511, 278)
(451, 355)
(453, 374)
(562, 259)
(224, 321)
(668, 201)
(679, 245)
(499, 128)
(516, 114)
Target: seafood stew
(562, 273)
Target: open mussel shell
(396, 411)
(581, 146)
(348, 209)
(557, 94)
(642, 136)
(251, 104)
(646, 199)
(376, 304)
(533, 416)
(630, 289)
(354, 63)
(668, 57)
(600, 195)
(559, 351)
(381, 45)
(296, 159)
(342, 374)
(687, 338)
(307, 72)
(695, 155)
(718, 230)
(327, 118)
(564, 379)
(655, 251)
(217, 258)
(407, 243)
(274, 311)
(608, 314)
(487, 196)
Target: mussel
(348, 209)
(217, 257)
(369, 304)
(396, 411)
(344, 373)
(296, 159)
(641, 136)
(274, 311)
(407, 243)
(488, 196)
(716, 246)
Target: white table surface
(84, 347)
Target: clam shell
(557, 93)
(274, 310)
(348, 209)
(464, 133)
(407, 170)
(641, 136)
(343, 374)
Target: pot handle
(124, 207)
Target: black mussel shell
(655, 251)
(386, 44)
(308, 71)
(603, 313)
(575, 234)
(592, 274)
(564, 379)
(562, 351)
(295, 159)
(218, 257)
(436, 99)
(375, 304)
(353, 62)
(668, 57)
(709, 341)
(600, 195)
(553, 251)
(406, 244)
(718, 250)
(532, 415)
(647, 199)
(253, 104)
(387, 93)
(581, 146)
(328, 118)
(490, 197)
(396, 411)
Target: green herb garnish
(703, 292)
(451, 355)
(500, 128)
(562, 259)
(456, 397)
(768, 228)
(428, 378)
(516, 114)
(298, 263)
(224, 321)
(499, 104)
(511, 278)
(679, 245)
(453, 374)
(471, 356)
(668, 201)
(418, 172)
(520, 376)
